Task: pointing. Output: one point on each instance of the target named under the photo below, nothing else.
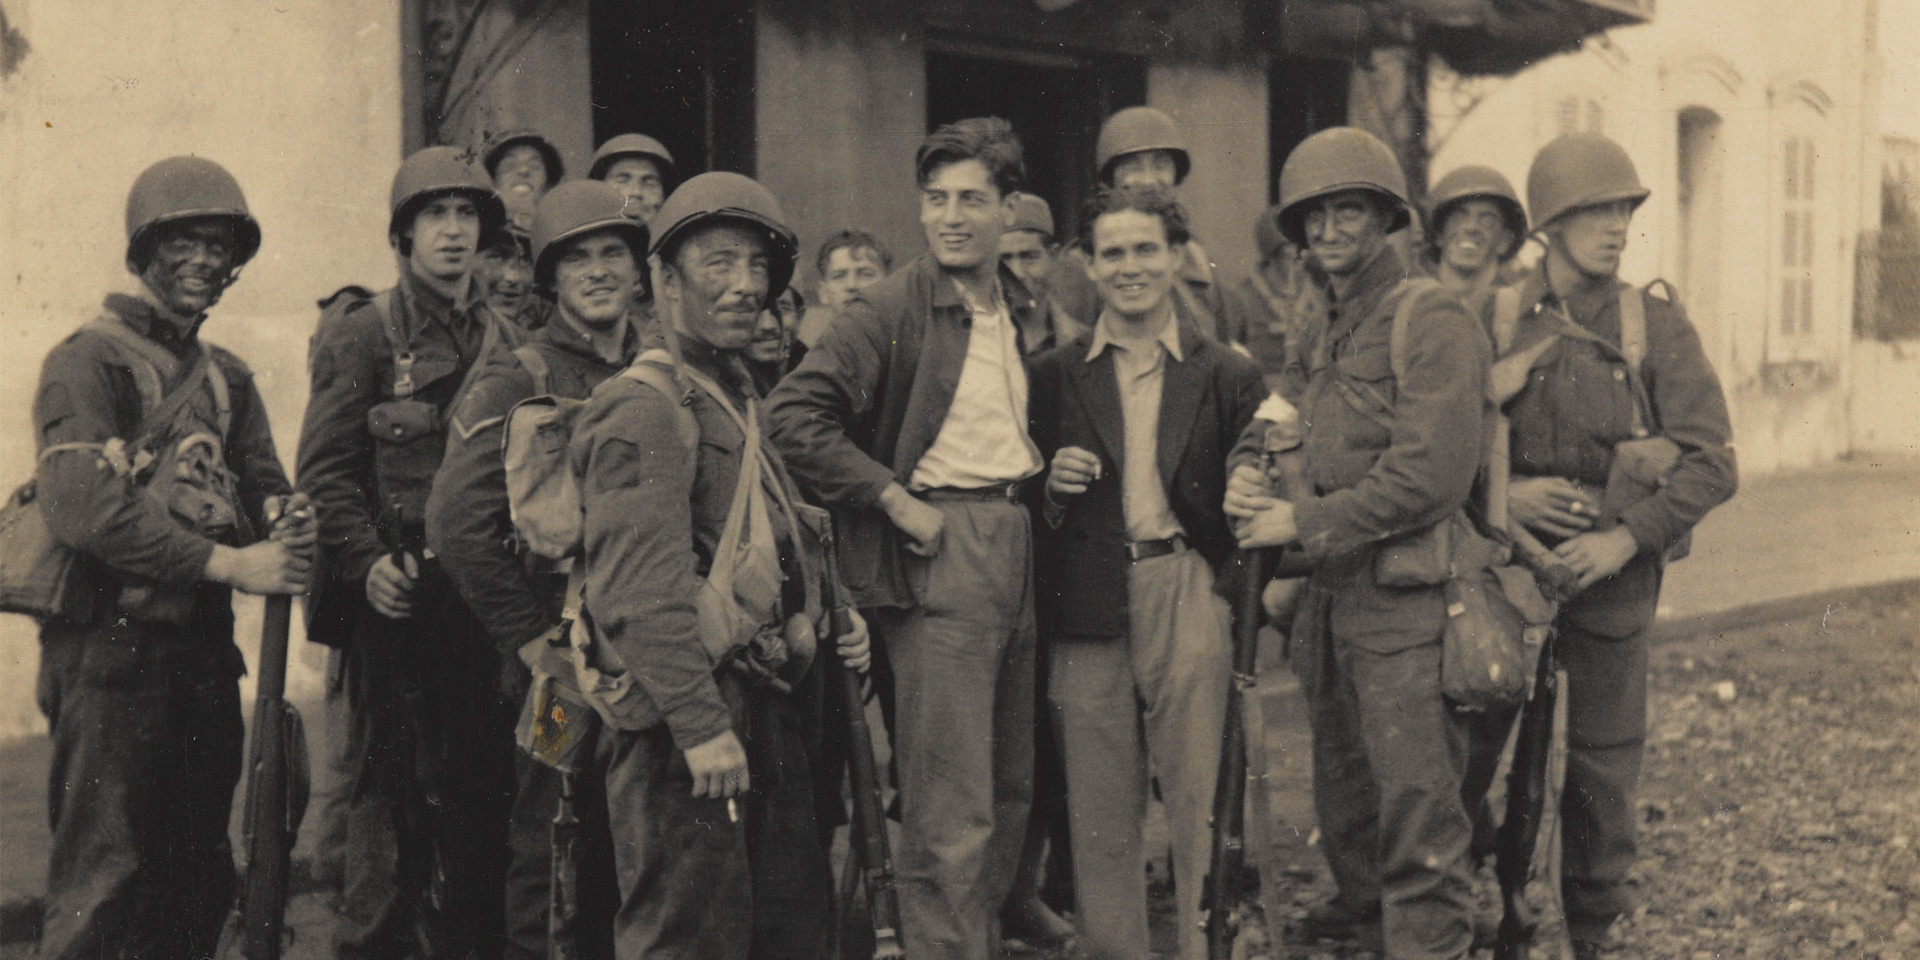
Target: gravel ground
(1780, 802)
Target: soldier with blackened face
(1395, 411)
(157, 469)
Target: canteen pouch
(39, 577)
(1490, 641)
(408, 444)
(557, 723)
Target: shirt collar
(144, 316)
(561, 333)
(1168, 337)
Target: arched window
(1802, 249)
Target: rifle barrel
(268, 848)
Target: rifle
(276, 798)
(1243, 911)
(872, 852)
(406, 705)
(1533, 796)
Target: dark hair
(989, 140)
(852, 240)
(1153, 201)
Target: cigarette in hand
(733, 811)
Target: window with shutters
(1796, 244)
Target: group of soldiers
(1020, 473)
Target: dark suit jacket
(866, 403)
(1080, 567)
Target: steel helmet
(497, 148)
(1266, 234)
(434, 171)
(728, 196)
(575, 209)
(1580, 170)
(1138, 129)
(631, 145)
(1336, 159)
(181, 188)
(1031, 212)
(1476, 183)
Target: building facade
(1759, 136)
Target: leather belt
(1008, 492)
(1140, 550)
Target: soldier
(587, 247)
(430, 732)
(1392, 447)
(1137, 418)
(1142, 146)
(523, 166)
(848, 262)
(141, 686)
(1283, 302)
(640, 168)
(504, 274)
(679, 700)
(1610, 372)
(909, 418)
(1475, 227)
(1029, 249)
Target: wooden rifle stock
(1529, 803)
(873, 851)
(269, 832)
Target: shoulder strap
(1506, 318)
(536, 364)
(163, 408)
(653, 368)
(1633, 348)
(1411, 289)
(383, 304)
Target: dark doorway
(1304, 96)
(1056, 103)
(680, 71)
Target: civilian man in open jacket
(430, 734)
(1581, 390)
(1136, 418)
(1389, 454)
(909, 418)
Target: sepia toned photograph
(960, 479)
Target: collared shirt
(1140, 371)
(984, 438)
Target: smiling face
(1030, 256)
(444, 235)
(964, 214)
(505, 275)
(190, 263)
(716, 285)
(849, 270)
(1146, 168)
(1345, 230)
(1473, 237)
(640, 184)
(594, 277)
(1133, 265)
(1592, 238)
(521, 174)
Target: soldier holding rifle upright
(1391, 448)
(430, 733)
(156, 467)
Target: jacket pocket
(408, 443)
